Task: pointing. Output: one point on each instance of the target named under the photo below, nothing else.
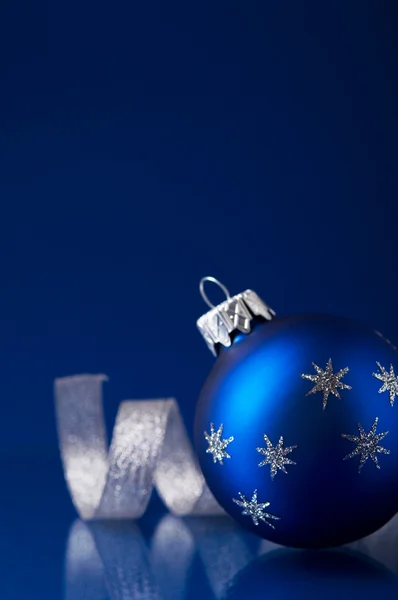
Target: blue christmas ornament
(296, 428)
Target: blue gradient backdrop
(146, 144)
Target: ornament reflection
(213, 558)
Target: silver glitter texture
(217, 445)
(327, 382)
(255, 510)
(149, 448)
(390, 382)
(367, 445)
(276, 456)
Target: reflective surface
(212, 558)
(47, 553)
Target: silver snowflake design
(255, 510)
(216, 444)
(276, 456)
(367, 445)
(390, 382)
(327, 382)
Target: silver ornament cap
(236, 313)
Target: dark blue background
(146, 144)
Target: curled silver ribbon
(149, 448)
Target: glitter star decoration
(327, 382)
(390, 382)
(217, 445)
(276, 456)
(367, 445)
(255, 510)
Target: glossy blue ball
(327, 386)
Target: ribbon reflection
(117, 560)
